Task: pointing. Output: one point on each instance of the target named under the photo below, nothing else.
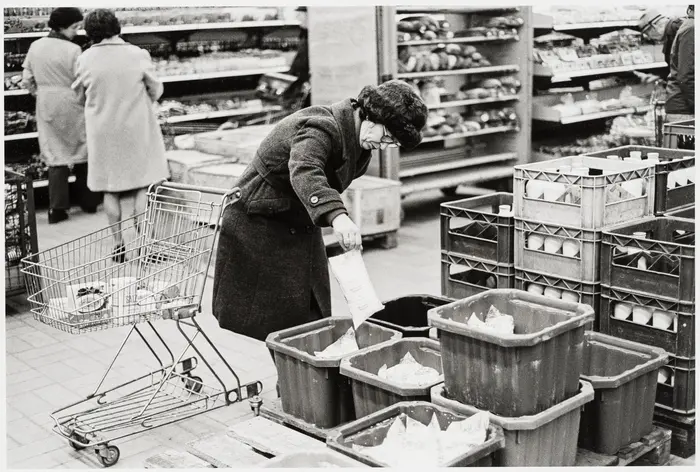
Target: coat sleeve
(28, 81)
(686, 65)
(154, 87)
(309, 153)
(78, 85)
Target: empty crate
(409, 314)
(463, 277)
(371, 431)
(655, 256)
(473, 227)
(312, 388)
(370, 392)
(584, 192)
(675, 390)
(680, 135)
(546, 439)
(624, 376)
(512, 375)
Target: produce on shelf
(33, 167)
(442, 57)
(440, 123)
(168, 108)
(427, 28)
(13, 82)
(17, 122)
(14, 61)
(569, 107)
(220, 62)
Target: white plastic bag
(350, 272)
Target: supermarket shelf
(221, 74)
(10, 93)
(494, 130)
(541, 71)
(476, 101)
(21, 136)
(220, 114)
(45, 182)
(169, 28)
(595, 116)
(469, 40)
(457, 164)
(410, 9)
(468, 175)
(475, 70)
(546, 22)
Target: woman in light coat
(49, 71)
(117, 83)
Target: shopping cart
(85, 286)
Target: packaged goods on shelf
(174, 108)
(449, 125)
(220, 61)
(13, 82)
(18, 122)
(572, 14)
(441, 58)
(33, 167)
(427, 28)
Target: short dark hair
(63, 17)
(101, 24)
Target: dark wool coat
(271, 269)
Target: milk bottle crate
(475, 276)
(666, 249)
(677, 392)
(564, 252)
(679, 133)
(543, 193)
(472, 227)
(672, 162)
(675, 321)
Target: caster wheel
(449, 191)
(74, 444)
(194, 384)
(255, 404)
(111, 456)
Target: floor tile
(25, 432)
(29, 403)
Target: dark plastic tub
(367, 431)
(474, 278)
(624, 376)
(372, 393)
(512, 375)
(678, 397)
(546, 439)
(408, 315)
(312, 460)
(312, 389)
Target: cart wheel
(112, 456)
(76, 437)
(255, 404)
(194, 383)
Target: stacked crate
(680, 135)
(561, 207)
(477, 245)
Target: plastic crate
(588, 293)
(372, 393)
(669, 248)
(672, 160)
(678, 339)
(20, 229)
(623, 375)
(678, 395)
(473, 228)
(584, 266)
(512, 375)
(546, 439)
(408, 315)
(311, 388)
(371, 431)
(685, 213)
(680, 134)
(473, 277)
(593, 210)
(312, 460)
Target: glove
(347, 233)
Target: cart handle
(235, 191)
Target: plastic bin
(512, 375)
(463, 277)
(312, 460)
(584, 265)
(472, 227)
(371, 431)
(593, 211)
(672, 160)
(669, 250)
(680, 134)
(311, 388)
(686, 213)
(372, 393)
(677, 394)
(546, 439)
(678, 339)
(624, 376)
(408, 315)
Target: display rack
(446, 162)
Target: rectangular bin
(687, 213)
(624, 376)
(677, 339)
(582, 265)
(512, 375)
(312, 389)
(371, 393)
(463, 277)
(671, 161)
(312, 460)
(669, 250)
(472, 227)
(680, 135)
(677, 393)
(585, 200)
(408, 315)
(546, 439)
(371, 431)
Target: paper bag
(350, 272)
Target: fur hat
(396, 105)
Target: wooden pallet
(682, 428)
(654, 449)
(272, 410)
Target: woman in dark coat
(271, 268)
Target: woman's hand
(347, 232)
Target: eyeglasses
(651, 24)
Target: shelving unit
(541, 71)
(446, 162)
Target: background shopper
(300, 64)
(680, 89)
(49, 71)
(117, 82)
